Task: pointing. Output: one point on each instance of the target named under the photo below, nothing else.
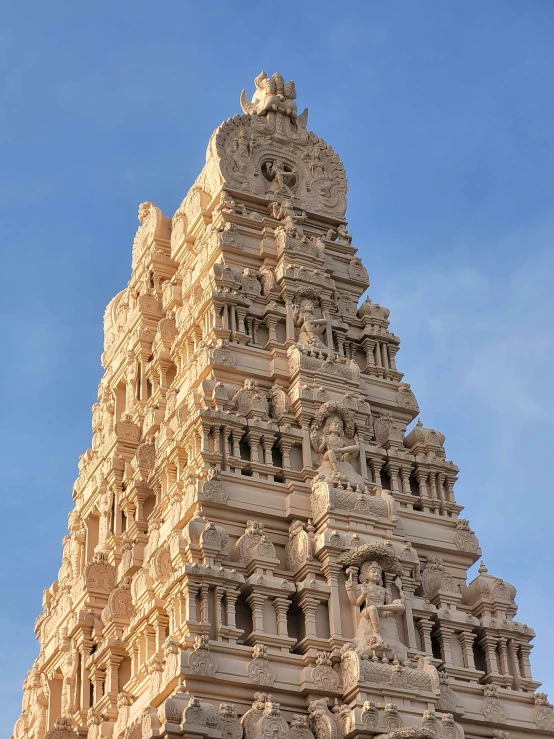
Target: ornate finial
(482, 569)
(272, 94)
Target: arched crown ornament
(269, 153)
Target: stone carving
(323, 674)
(378, 608)
(70, 668)
(254, 542)
(300, 546)
(213, 490)
(310, 328)
(368, 501)
(405, 397)
(272, 93)
(492, 708)
(291, 220)
(250, 401)
(201, 661)
(332, 436)
(370, 716)
(120, 604)
(435, 577)
(251, 719)
(98, 574)
(544, 712)
(465, 538)
(259, 670)
(161, 568)
(357, 271)
(62, 729)
(241, 376)
(323, 722)
(447, 700)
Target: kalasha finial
(272, 94)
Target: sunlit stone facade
(258, 549)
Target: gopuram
(258, 549)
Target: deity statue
(78, 535)
(292, 221)
(69, 689)
(104, 505)
(309, 327)
(333, 445)
(376, 631)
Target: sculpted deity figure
(104, 506)
(309, 327)
(378, 607)
(292, 221)
(333, 444)
(78, 537)
(69, 690)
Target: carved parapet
(317, 361)
(356, 671)
(370, 501)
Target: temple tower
(258, 549)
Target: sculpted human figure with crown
(332, 436)
(376, 631)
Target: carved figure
(309, 327)
(271, 94)
(69, 690)
(332, 435)
(333, 444)
(376, 601)
(104, 505)
(284, 212)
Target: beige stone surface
(257, 548)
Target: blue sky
(442, 114)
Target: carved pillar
(331, 571)
(190, 592)
(309, 604)
(525, 651)
(514, 663)
(281, 606)
(425, 627)
(84, 650)
(231, 596)
(369, 348)
(256, 602)
(488, 643)
(285, 446)
(466, 640)
(393, 468)
(204, 599)
(111, 687)
(219, 612)
(445, 636)
(291, 337)
(306, 447)
(410, 628)
(376, 466)
(503, 656)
